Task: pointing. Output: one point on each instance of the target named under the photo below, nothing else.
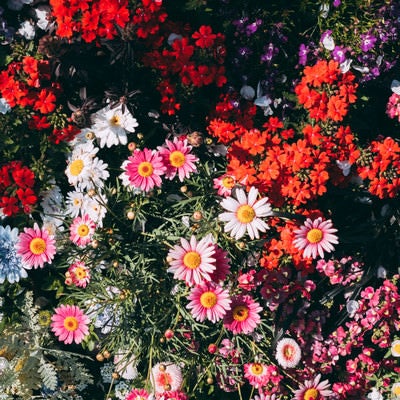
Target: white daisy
(112, 124)
(79, 170)
(245, 213)
(98, 173)
(94, 206)
(74, 203)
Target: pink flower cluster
(393, 106)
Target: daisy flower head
(257, 374)
(82, 230)
(192, 262)
(79, 274)
(74, 203)
(70, 324)
(244, 213)
(208, 301)
(224, 185)
(178, 159)
(166, 376)
(144, 169)
(288, 353)
(125, 365)
(395, 348)
(36, 247)
(396, 390)
(11, 266)
(315, 237)
(243, 317)
(313, 390)
(138, 394)
(111, 125)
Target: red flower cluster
(92, 19)
(147, 18)
(16, 189)
(325, 91)
(380, 166)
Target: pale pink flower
(138, 394)
(144, 169)
(36, 247)
(245, 213)
(257, 374)
(288, 353)
(313, 389)
(224, 184)
(178, 159)
(315, 237)
(79, 273)
(70, 324)
(243, 317)
(192, 262)
(82, 230)
(210, 301)
(166, 376)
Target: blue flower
(10, 263)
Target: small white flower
(247, 92)
(345, 166)
(352, 307)
(328, 42)
(172, 37)
(43, 14)
(27, 30)
(375, 394)
(4, 106)
(395, 86)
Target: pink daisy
(144, 169)
(222, 264)
(36, 247)
(243, 316)
(257, 374)
(224, 184)
(210, 301)
(137, 394)
(192, 262)
(178, 159)
(313, 390)
(315, 237)
(82, 230)
(171, 395)
(79, 273)
(245, 213)
(165, 377)
(70, 324)
(288, 353)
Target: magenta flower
(36, 247)
(70, 324)
(243, 316)
(178, 159)
(82, 230)
(137, 394)
(79, 274)
(208, 301)
(144, 169)
(315, 237)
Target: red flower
(23, 177)
(45, 102)
(205, 37)
(9, 205)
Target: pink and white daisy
(178, 159)
(144, 169)
(36, 247)
(82, 230)
(288, 353)
(245, 213)
(224, 184)
(79, 274)
(192, 262)
(315, 237)
(70, 324)
(243, 317)
(138, 394)
(257, 374)
(313, 389)
(166, 376)
(210, 301)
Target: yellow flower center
(37, 246)
(80, 272)
(228, 182)
(240, 313)
(245, 214)
(208, 299)
(76, 167)
(145, 169)
(192, 259)
(315, 235)
(77, 202)
(83, 230)
(311, 394)
(71, 324)
(257, 369)
(177, 159)
(396, 348)
(115, 120)
(396, 389)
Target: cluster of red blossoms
(326, 92)
(16, 189)
(91, 19)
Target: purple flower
(339, 54)
(367, 41)
(252, 28)
(336, 3)
(270, 52)
(303, 51)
